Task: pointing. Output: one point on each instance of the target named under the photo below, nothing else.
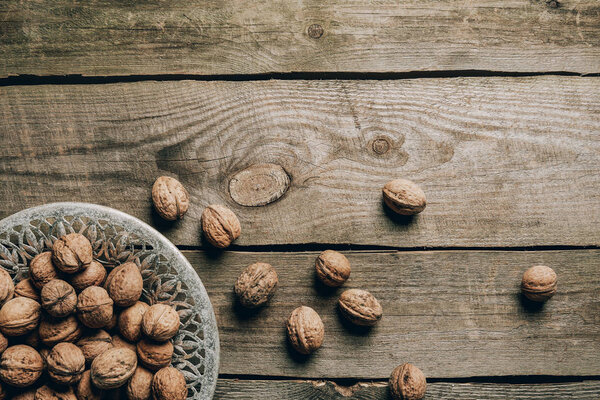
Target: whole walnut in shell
(171, 200)
(124, 284)
(160, 322)
(94, 307)
(72, 253)
(19, 316)
(65, 363)
(58, 298)
(154, 355)
(130, 321)
(539, 283)
(93, 275)
(333, 268)
(114, 368)
(140, 384)
(220, 225)
(305, 330)
(7, 286)
(360, 307)
(20, 365)
(86, 390)
(94, 344)
(47, 392)
(118, 341)
(25, 288)
(404, 197)
(42, 270)
(407, 383)
(256, 285)
(54, 330)
(169, 384)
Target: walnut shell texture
(7, 286)
(114, 368)
(94, 307)
(55, 393)
(160, 322)
(407, 382)
(360, 307)
(72, 253)
(539, 283)
(93, 275)
(86, 390)
(140, 385)
(124, 284)
(154, 355)
(404, 197)
(130, 321)
(42, 270)
(65, 363)
(169, 384)
(21, 366)
(53, 331)
(118, 341)
(305, 330)
(256, 285)
(333, 268)
(220, 225)
(25, 288)
(94, 344)
(171, 200)
(19, 316)
(58, 298)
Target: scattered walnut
(171, 200)
(125, 284)
(94, 307)
(65, 363)
(333, 268)
(256, 285)
(19, 316)
(404, 197)
(118, 341)
(87, 391)
(20, 365)
(58, 298)
(160, 322)
(220, 225)
(7, 286)
(305, 330)
(114, 368)
(154, 355)
(72, 253)
(53, 331)
(25, 288)
(55, 393)
(130, 321)
(539, 283)
(41, 269)
(407, 383)
(94, 344)
(169, 384)
(360, 307)
(140, 384)
(93, 275)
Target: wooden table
(294, 114)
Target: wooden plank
(322, 390)
(503, 161)
(452, 313)
(56, 37)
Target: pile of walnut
(57, 323)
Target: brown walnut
(94, 344)
(118, 341)
(86, 390)
(72, 253)
(169, 384)
(20, 366)
(160, 322)
(7, 286)
(539, 283)
(360, 307)
(94, 307)
(124, 284)
(305, 330)
(65, 363)
(220, 225)
(19, 316)
(154, 355)
(47, 392)
(130, 321)
(114, 368)
(171, 200)
(256, 285)
(53, 330)
(333, 268)
(42, 270)
(93, 275)
(58, 298)
(404, 197)
(140, 384)
(407, 383)
(25, 288)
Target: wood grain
(503, 161)
(56, 37)
(452, 313)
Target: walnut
(72, 253)
(93, 275)
(305, 330)
(124, 284)
(169, 384)
(256, 285)
(25, 288)
(118, 341)
(112, 369)
(53, 331)
(171, 200)
(360, 307)
(130, 321)
(42, 270)
(154, 355)
(539, 283)
(404, 197)
(28, 395)
(220, 225)
(7, 286)
(94, 307)
(58, 298)
(65, 363)
(20, 365)
(55, 393)
(160, 322)
(94, 344)
(3, 343)
(333, 268)
(19, 316)
(407, 383)
(44, 351)
(140, 384)
(86, 390)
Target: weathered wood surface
(321, 390)
(504, 161)
(56, 37)
(452, 313)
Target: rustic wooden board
(56, 37)
(452, 313)
(321, 390)
(504, 161)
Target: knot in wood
(259, 185)
(381, 145)
(315, 31)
